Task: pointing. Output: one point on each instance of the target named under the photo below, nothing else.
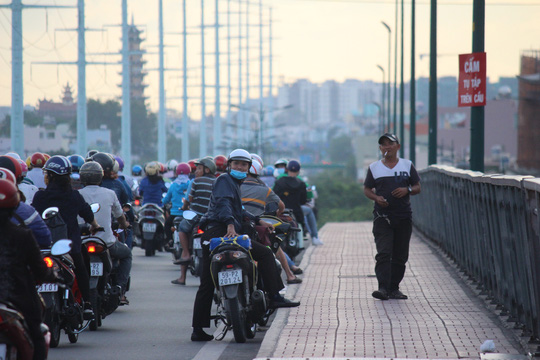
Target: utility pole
(126, 92)
(203, 147)
(217, 115)
(477, 112)
(402, 88)
(432, 139)
(162, 137)
(17, 91)
(185, 120)
(261, 82)
(248, 115)
(270, 79)
(240, 115)
(395, 129)
(412, 136)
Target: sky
(317, 40)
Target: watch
(409, 189)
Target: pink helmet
(24, 167)
(183, 169)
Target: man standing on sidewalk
(389, 183)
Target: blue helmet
(268, 171)
(58, 164)
(136, 170)
(76, 162)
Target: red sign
(472, 80)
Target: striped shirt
(255, 196)
(201, 189)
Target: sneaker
(88, 313)
(380, 294)
(198, 334)
(279, 301)
(396, 294)
(316, 241)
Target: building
(65, 110)
(529, 112)
(137, 73)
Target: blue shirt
(175, 195)
(152, 193)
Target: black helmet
(90, 153)
(91, 173)
(105, 160)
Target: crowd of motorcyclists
(228, 196)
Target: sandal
(294, 281)
(176, 282)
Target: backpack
(57, 226)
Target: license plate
(149, 227)
(197, 243)
(96, 269)
(47, 288)
(230, 277)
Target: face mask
(279, 171)
(240, 175)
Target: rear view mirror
(189, 215)
(61, 247)
(50, 212)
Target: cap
(390, 137)
(293, 166)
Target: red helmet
(162, 168)
(7, 174)
(37, 160)
(183, 169)
(12, 164)
(221, 163)
(9, 194)
(46, 156)
(192, 164)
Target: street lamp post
(383, 90)
(389, 70)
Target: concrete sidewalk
(338, 318)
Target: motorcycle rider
(255, 196)
(70, 204)
(25, 185)
(21, 266)
(91, 176)
(225, 218)
(175, 195)
(197, 201)
(109, 180)
(37, 160)
(152, 186)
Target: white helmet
(172, 165)
(255, 168)
(258, 158)
(241, 155)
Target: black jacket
(21, 267)
(292, 191)
(70, 203)
(226, 204)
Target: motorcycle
(151, 224)
(195, 267)
(105, 293)
(240, 304)
(286, 230)
(15, 340)
(63, 302)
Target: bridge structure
(472, 276)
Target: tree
(108, 114)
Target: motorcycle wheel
(52, 319)
(238, 318)
(73, 338)
(197, 266)
(149, 248)
(95, 306)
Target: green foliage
(105, 113)
(143, 131)
(341, 151)
(341, 199)
(31, 118)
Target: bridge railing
(490, 225)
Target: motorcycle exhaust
(258, 300)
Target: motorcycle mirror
(95, 207)
(61, 247)
(189, 215)
(50, 212)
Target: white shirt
(29, 191)
(37, 177)
(108, 205)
